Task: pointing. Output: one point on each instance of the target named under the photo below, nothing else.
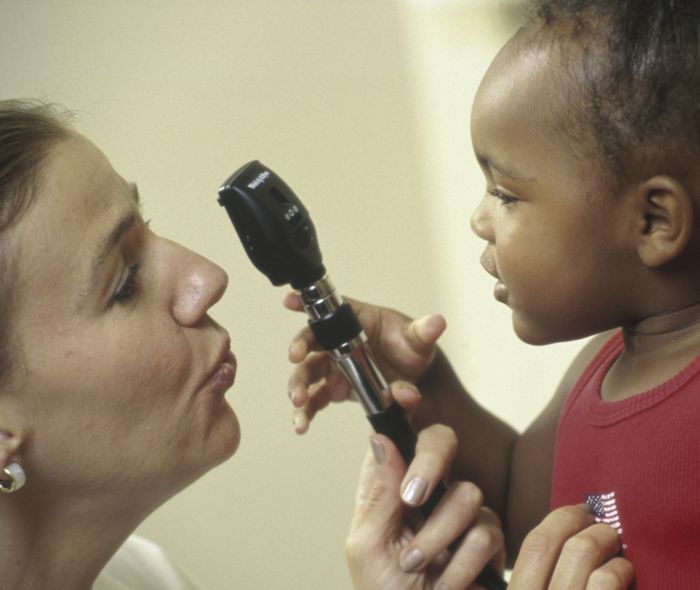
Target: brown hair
(640, 78)
(28, 130)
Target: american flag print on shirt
(605, 510)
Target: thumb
(378, 507)
(423, 333)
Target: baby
(587, 129)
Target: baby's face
(554, 241)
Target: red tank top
(637, 462)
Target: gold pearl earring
(15, 479)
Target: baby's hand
(403, 348)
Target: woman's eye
(501, 196)
(129, 286)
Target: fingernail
(405, 390)
(298, 424)
(293, 395)
(411, 560)
(377, 450)
(442, 586)
(420, 323)
(295, 350)
(414, 491)
(590, 512)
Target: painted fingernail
(414, 491)
(411, 560)
(377, 451)
(586, 507)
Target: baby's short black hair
(638, 78)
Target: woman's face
(119, 371)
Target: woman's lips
(223, 376)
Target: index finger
(435, 449)
(540, 550)
(292, 301)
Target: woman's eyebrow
(124, 223)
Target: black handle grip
(393, 423)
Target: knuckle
(604, 579)
(361, 542)
(566, 514)
(490, 516)
(484, 540)
(446, 434)
(536, 543)
(354, 550)
(469, 494)
(567, 518)
(459, 573)
(578, 547)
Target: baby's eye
(128, 287)
(501, 196)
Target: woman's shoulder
(140, 564)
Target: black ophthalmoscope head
(273, 225)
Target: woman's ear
(9, 446)
(13, 430)
(665, 219)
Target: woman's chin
(224, 441)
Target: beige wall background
(363, 107)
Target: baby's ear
(665, 219)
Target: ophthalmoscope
(280, 239)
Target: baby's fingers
(423, 333)
(301, 345)
(317, 367)
(292, 301)
(317, 397)
(405, 394)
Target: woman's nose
(481, 222)
(199, 284)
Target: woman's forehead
(76, 169)
(78, 199)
